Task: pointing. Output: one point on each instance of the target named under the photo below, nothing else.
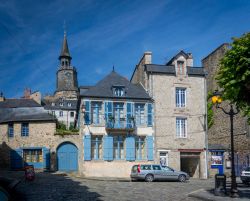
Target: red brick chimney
(27, 93)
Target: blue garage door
(67, 157)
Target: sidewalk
(208, 195)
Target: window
(53, 113)
(180, 97)
(52, 104)
(163, 158)
(69, 104)
(118, 147)
(61, 113)
(180, 67)
(25, 129)
(146, 167)
(61, 104)
(72, 114)
(139, 114)
(33, 155)
(156, 167)
(181, 127)
(95, 111)
(11, 130)
(140, 148)
(96, 147)
(118, 91)
(119, 115)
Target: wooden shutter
(108, 148)
(130, 148)
(150, 148)
(87, 147)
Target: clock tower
(66, 85)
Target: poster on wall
(216, 160)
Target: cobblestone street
(60, 187)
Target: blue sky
(103, 33)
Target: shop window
(217, 158)
(33, 155)
(11, 130)
(118, 147)
(96, 147)
(25, 129)
(140, 148)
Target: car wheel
(182, 178)
(149, 178)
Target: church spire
(65, 57)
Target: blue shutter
(16, 159)
(150, 114)
(150, 148)
(108, 148)
(130, 148)
(109, 113)
(46, 158)
(87, 147)
(87, 114)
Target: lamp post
(216, 99)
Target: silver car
(153, 172)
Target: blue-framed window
(96, 147)
(25, 129)
(140, 148)
(181, 127)
(11, 130)
(95, 111)
(119, 115)
(180, 97)
(118, 147)
(33, 155)
(139, 113)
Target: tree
(234, 74)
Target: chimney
(2, 97)
(190, 61)
(147, 58)
(36, 96)
(27, 93)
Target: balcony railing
(120, 124)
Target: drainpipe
(206, 127)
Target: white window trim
(176, 134)
(179, 95)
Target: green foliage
(61, 126)
(210, 112)
(62, 130)
(234, 74)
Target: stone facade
(219, 133)
(162, 86)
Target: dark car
(245, 176)
(153, 172)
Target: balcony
(120, 125)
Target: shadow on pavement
(49, 187)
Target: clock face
(68, 74)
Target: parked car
(245, 176)
(153, 172)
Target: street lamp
(216, 99)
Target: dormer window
(180, 67)
(61, 104)
(69, 104)
(118, 91)
(52, 104)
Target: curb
(104, 179)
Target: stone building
(179, 93)
(219, 133)
(116, 126)
(64, 102)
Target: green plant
(210, 112)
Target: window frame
(180, 128)
(25, 129)
(120, 141)
(180, 95)
(10, 130)
(96, 147)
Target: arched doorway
(67, 157)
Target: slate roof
(65, 49)
(103, 89)
(191, 71)
(65, 104)
(14, 103)
(19, 110)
